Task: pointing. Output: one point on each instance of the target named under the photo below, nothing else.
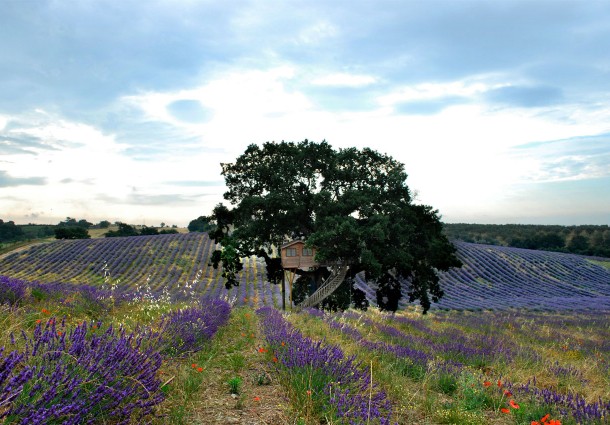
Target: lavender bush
(12, 291)
(321, 375)
(79, 376)
(187, 330)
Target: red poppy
(193, 365)
(554, 422)
(505, 410)
(535, 423)
(38, 321)
(507, 393)
(486, 384)
(499, 384)
(275, 359)
(309, 392)
(262, 350)
(199, 369)
(513, 404)
(545, 417)
(257, 398)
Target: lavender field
(492, 277)
(142, 330)
(499, 278)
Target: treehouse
(296, 256)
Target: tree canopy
(352, 205)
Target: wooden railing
(328, 287)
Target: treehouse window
(307, 252)
(291, 252)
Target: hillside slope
(493, 277)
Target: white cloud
(344, 80)
(317, 33)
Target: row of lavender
(495, 277)
(175, 262)
(322, 380)
(91, 374)
(451, 351)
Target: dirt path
(260, 399)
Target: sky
(124, 110)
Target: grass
(232, 379)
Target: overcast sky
(123, 110)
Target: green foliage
(587, 239)
(104, 224)
(447, 384)
(352, 205)
(200, 224)
(235, 385)
(10, 232)
(123, 230)
(72, 232)
(231, 262)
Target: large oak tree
(352, 205)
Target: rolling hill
(492, 277)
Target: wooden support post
(284, 290)
(290, 280)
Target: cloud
(525, 96)
(188, 110)
(196, 183)
(428, 106)
(7, 181)
(576, 158)
(344, 80)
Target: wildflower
(200, 369)
(283, 343)
(38, 321)
(505, 410)
(486, 384)
(499, 384)
(535, 423)
(45, 311)
(309, 393)
(554, 422)
(257, 398)
(243, 334)
(513, 404)
(507, 393)
(193, 365)
(545, 418)
(262, 350)
(275, 360)
(58, 333)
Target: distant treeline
(11, 232)
(71, 228)
(585, 240)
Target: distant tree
(104, 224)
(352, 205)
(84, 223)
(578, 244)
(171, 231)
(145, 230)
(162, 225)
(200, 224)
(71, 232)
(72, 222)
(123, 230)
(10, 232)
